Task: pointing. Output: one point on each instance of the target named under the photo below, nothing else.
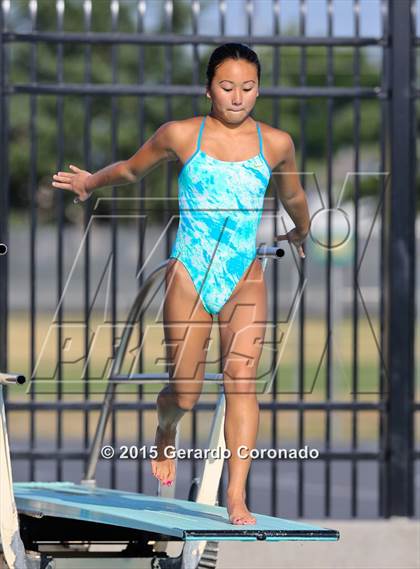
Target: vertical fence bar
(59, 7)
(221, 19)
(355, 312)
(195, 8)
(400, 265)
(249, 7)
(329, 315)
(87, 213)
(141, 231)
(115, 11)
(276, 73)
(4, 200)
(384, 104)
(302, 317)
(167, 79)
(416, 125)
(222, 32)
(33, 102)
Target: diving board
(180, 519)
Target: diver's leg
(187, 327)
(242, 329)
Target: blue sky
(316, 21)
(264, 17)
(370, 20)
(236, 17)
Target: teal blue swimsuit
(220, 205)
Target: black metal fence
(393, 454)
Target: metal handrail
(11, 378)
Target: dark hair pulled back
(231, 51)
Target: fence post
(399, 283)
(4, 203)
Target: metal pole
(4, 204)
(400, 264)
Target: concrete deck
(363, 544)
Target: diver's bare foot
(237, 510)
(162, 467)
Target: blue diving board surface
(181, 519)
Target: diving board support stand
(209, 483)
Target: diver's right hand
(74, 181)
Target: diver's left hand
(294, 236)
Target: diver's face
(234, 89)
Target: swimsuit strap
(260, 138)
(200, 133)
